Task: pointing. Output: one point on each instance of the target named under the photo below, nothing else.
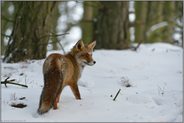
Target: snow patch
(155, 95)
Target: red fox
(62, 70)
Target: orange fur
(62, 70)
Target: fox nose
(94, 62)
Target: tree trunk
(155, 16)
(87, 22)
(169, 16)
(55, 15)
(113, 25)
(179, 16)
(140, 23)
(31, 30)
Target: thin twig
(61, 46)
(59, 41)
(116, 95)
(53, 35)
(9, 36)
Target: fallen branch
(6, 81)
(19, 105)
(116, 95)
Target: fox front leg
(75, 90)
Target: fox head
(83, 53)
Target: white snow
(154, 73)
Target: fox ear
(79, 45)
(92, 45)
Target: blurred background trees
(155, 21)
(29, 29)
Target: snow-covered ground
(154, 73)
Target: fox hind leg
(56, 100)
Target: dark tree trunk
(31, 30)
(140, 23)
(154, 16)
(87, 22)
(169, 16)
(113, 25)
(55, 15)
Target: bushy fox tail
(53, 80)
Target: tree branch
(53, 35)
(56, 35)
(59, 45)
(9, 36)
